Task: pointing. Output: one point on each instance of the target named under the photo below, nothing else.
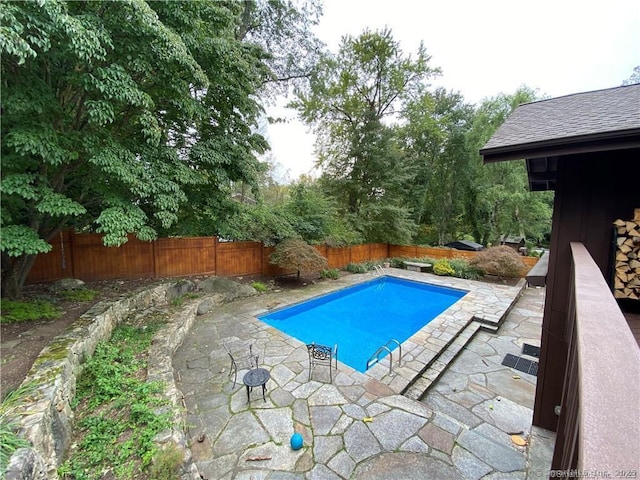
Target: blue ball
(296, 441)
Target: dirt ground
(21, 343)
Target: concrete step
(423, 382)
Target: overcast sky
(485, 48)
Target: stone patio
(361, 426)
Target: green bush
(296, 254)
(9, 439)
(79, 295)
(259, 286)
(166, 464)
(500, 261)
(462, 269)
(443, 267)
(397, 262)
(18, 311)
(363, 267)
(332, 273)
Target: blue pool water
(362, 318)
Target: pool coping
(485, 305)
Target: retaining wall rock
(45, 417)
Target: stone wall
(45, 416)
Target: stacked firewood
(626, 283)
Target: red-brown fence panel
(378, 251)
(360, 253)
(93, 261)
(185, 256)
(403, 251)
(338, 257)
(239, 258)
(56, 264)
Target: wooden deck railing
(600, 412)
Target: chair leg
(233, 368)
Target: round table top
(255, 377)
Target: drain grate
(521, 364)
(531, 350)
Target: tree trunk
(14, 274)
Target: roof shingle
(581, 114)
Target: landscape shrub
(443, 267)
(259, 286)
(500, 261)
(363, 267)
(166, 464)
(10, 440)
(294, 253)
(463, 270)
(332, 273)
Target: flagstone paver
(360, 426)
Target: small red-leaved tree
(294, 253)
(500, 261)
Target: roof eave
(616, 140)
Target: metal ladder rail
(379, 270)
(375, 358)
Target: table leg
(264, 389)
(248, 397)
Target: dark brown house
(586, 147)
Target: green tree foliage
(260, 223)
(115, 113)
(634, 78)
(296, 254)
(497, 200)
(353, 102)
(283, 28)
(435, 135)
(316, 218)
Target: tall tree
(112, 111)
(634, 78)
(353, 100)
(283, 29)
(435, 134)
(497, 199)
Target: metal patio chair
(322, 355)
(247, 361)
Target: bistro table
(258, 377)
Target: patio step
(423, 382)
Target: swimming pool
(362, 318)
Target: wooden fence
(83, 256)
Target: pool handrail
(375, 358)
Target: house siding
(592, 191)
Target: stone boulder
(226, 288)
(67, 284)
(179, 289)
(26, 464)
(209, 303)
